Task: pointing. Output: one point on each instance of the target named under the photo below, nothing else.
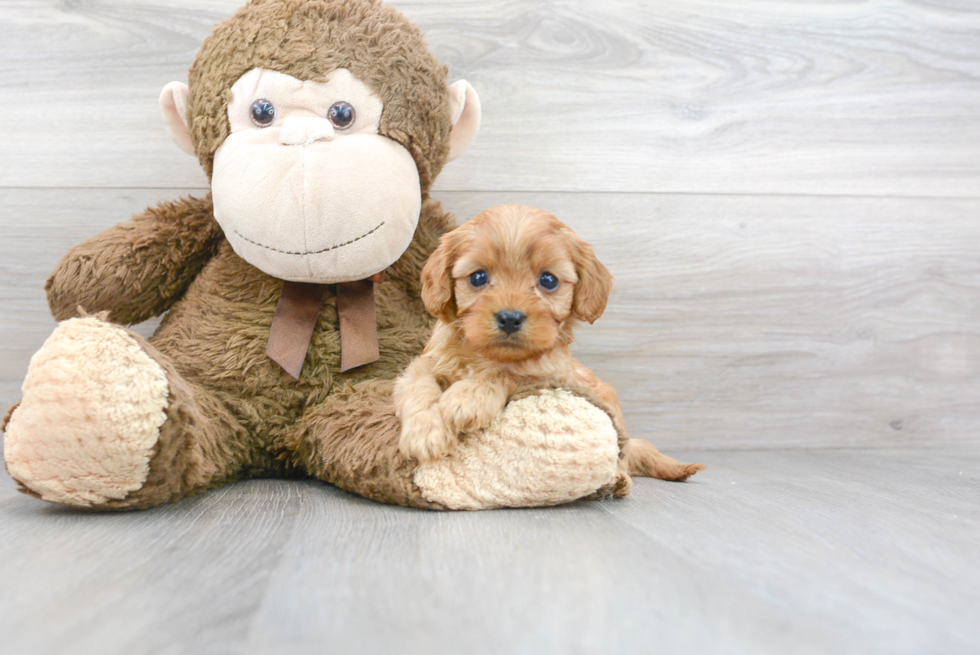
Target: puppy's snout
(510, 320)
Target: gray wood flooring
(765, 552)
(788, 194)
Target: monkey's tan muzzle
(303, 130)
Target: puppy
(507, 288)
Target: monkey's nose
(510, 320)
(302, 130)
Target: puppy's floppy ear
(594, 280)
(437, 277)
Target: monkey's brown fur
(232, 412)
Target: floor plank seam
(601, 192)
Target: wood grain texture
(735, 321)
(706, 96)
(787, 194)
(764, 552)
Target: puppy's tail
(645, 460)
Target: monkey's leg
(547, 448)
(351, 441)
(106, 423)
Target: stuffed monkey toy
(291, 293)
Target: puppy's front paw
(470, 405)
(425, 437)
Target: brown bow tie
(295, 319)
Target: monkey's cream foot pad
(545, 449)
(93, 403)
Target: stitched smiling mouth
(311, 252)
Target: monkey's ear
(465, 107)
(437, 277)
(173, 104)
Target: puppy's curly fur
(507, 288)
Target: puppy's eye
(478, 279)
(548, 282)
(263, 112)
(341, 115)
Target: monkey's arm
(136, 269)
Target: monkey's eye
(478, 279)
(341, 115)
(263, 112)
(548, 282)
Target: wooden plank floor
(788, 194)
(766, 551)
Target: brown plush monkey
(321, 124)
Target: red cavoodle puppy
(507, 287)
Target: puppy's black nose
(510, 320)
